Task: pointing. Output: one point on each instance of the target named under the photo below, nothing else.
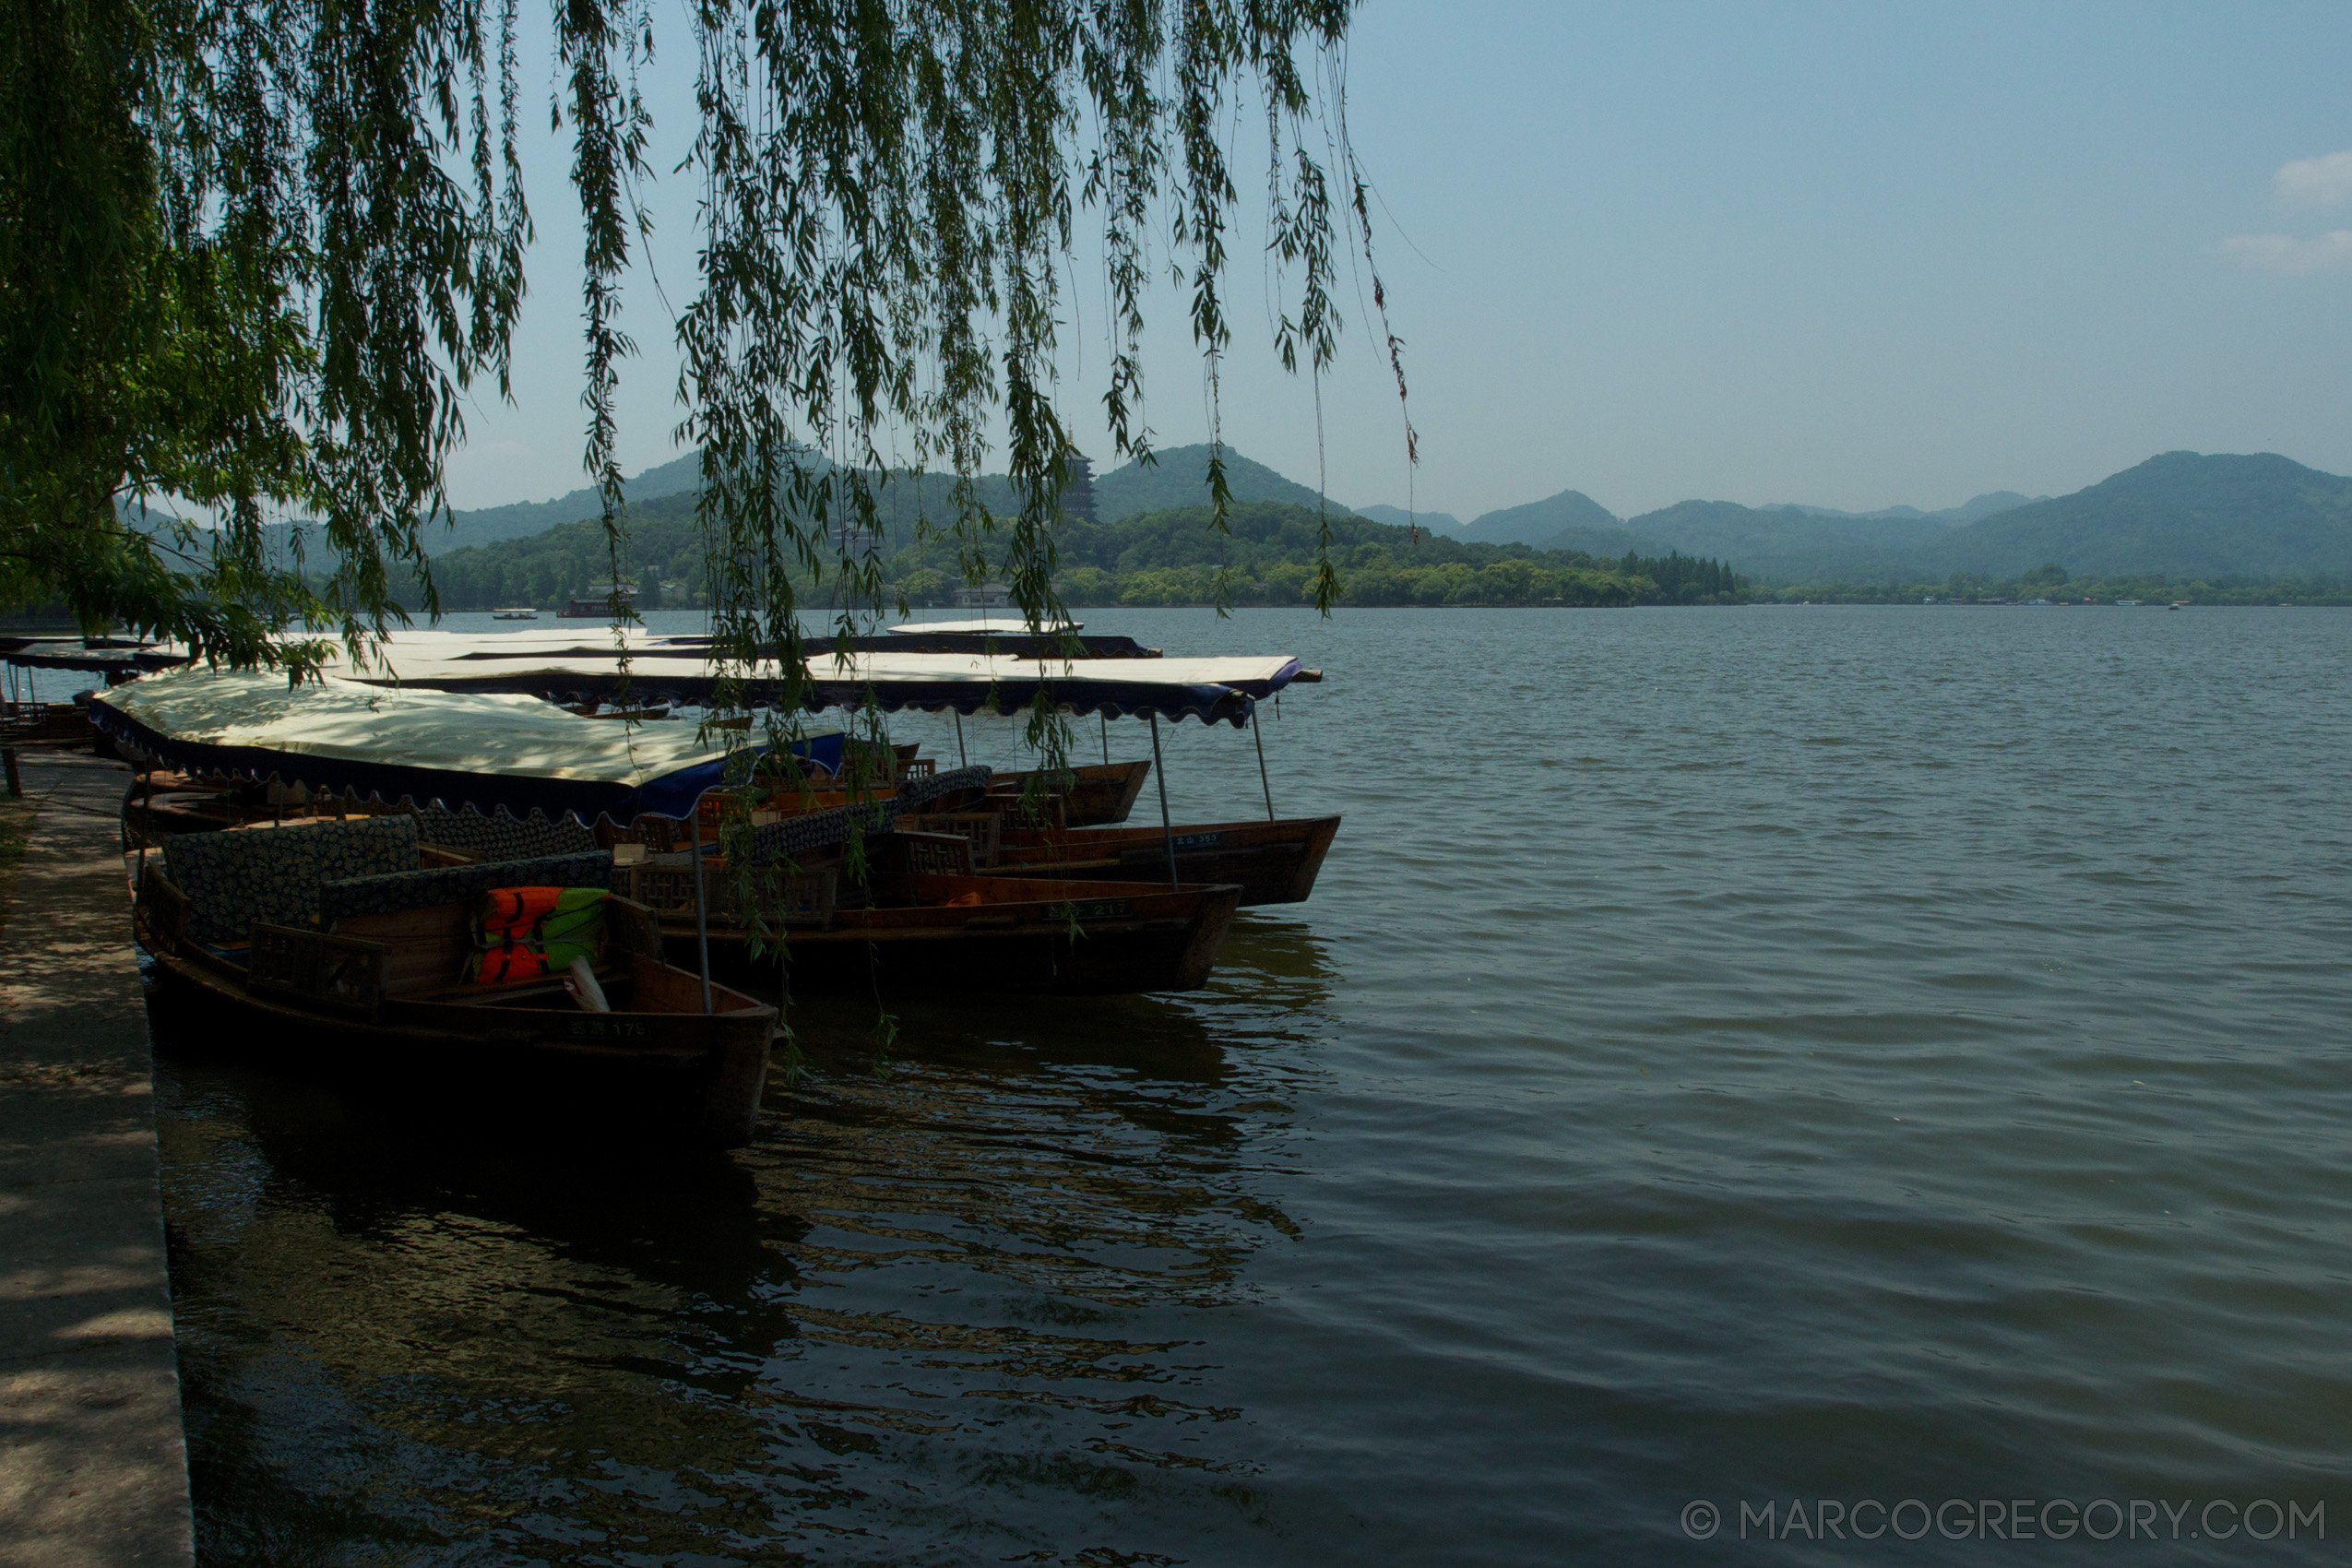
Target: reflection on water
(951, 1312)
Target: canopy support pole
(1259, 736)
(701, 916)
(147, 801)
(1106, 738)
(1159, 771)
(961, 760)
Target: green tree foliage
(253, 253)
(237, 270)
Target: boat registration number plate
(608, 1028)
(1101, 908)
(1199, 840)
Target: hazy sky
(1850, 254)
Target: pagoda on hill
(1077, 489)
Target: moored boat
(965, 934)
(1096, 795)
(1086, 797)
(921, 920)
(1273, 863)
(336, 952)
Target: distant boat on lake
(596, 603)
(516, 612)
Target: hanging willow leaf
(253, 253)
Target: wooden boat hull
(1050, 935)
(1102, 793)
(182, 811)
(670, 1074)
(1273, 863)
(45, 724)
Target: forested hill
(1159, 558)
(2183, 513)
(1179, 478)
(487, 525)
(1785, 544)
(1567, 520)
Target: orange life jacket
(509, 962)
(504, 908)
(525, 932)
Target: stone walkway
(93, 1468)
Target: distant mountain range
(1398, 518)
(2181, 514)
(1180, 478)
(1984, 505)
(1766, 541)
(490, 524)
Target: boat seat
(389, 895)
(503, 836)
(811, 831)
(231, 880)
(914, 792)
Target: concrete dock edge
(93, 1463)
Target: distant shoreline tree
(1157, 559)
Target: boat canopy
(102, 655)
(997, 625)
(559, 666)
(481, 749)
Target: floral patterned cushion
(459, 884)
(504, 836)
(916, 791)
(816, 830)
(232, 879)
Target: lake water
(1733, 1056)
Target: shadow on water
(954, 1309)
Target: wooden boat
(948, 932)
(150, 819)
(1098, 794)
(628, 715)
(1102, 792)
(1273, 863)
(377, 996)
(177, 805)
(56, 724)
